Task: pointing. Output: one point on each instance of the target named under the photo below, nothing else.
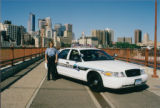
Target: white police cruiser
(99, 69)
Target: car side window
(74, 56)
(63, 54)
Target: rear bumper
(124, 82)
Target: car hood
(110, 65)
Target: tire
(95, 82)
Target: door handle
(67, 62)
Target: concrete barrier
(10, 71)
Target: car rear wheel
(95, 82)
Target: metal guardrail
(139, 56)
(10, 56)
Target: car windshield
(95, 55)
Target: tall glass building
(31, 23)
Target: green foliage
(126, 45)
(110, 45)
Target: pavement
(153, 83)
(62, 94)
(20, 93)
(34, 91)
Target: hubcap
(95, 82)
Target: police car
(99, 69)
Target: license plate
(138, 81)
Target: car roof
(81, 48)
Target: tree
(126, 45)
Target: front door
(63, 62)
(74, 61)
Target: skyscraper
(121, 39)
(59, 28)
(128, 40)
(137, 36)
(124, 40)
(15, 33)
(99, 35)
(31, 23)
(111, 34)
(48, 27)
(45, 25)
(146, 38)
(48, 23)
(68, 27)
(41, 23)
(105, 37)
(68, 31)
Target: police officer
(51, 58)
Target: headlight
(142, 71)
(114, 74)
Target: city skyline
(139, 15)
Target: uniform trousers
(51, 67)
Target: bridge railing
(139, 56)
(10, 56)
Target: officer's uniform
(51, 52)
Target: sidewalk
(20, 93)
(153, 83)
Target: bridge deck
(34, 91)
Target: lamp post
(155, 43)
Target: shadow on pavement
(72, 79)
(126, 90)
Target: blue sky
(123, 16)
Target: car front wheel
(95, 82)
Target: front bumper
(123, 82)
